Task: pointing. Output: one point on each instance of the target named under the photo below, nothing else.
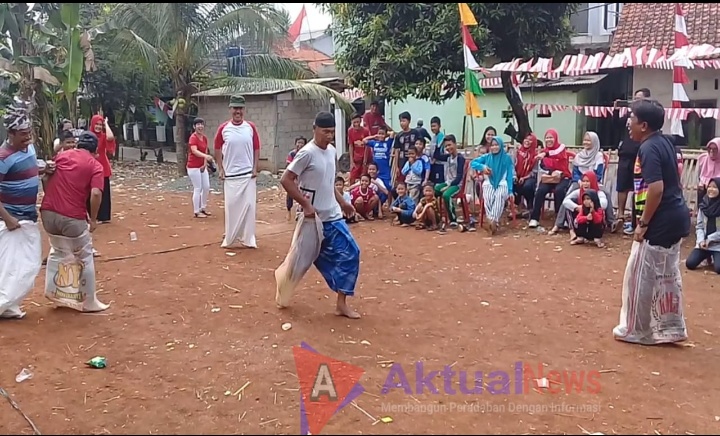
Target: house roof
(652, 25)
(330, 82)
(494, 83)
(314, 58)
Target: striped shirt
(19, 182)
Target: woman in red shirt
(106, 146)
(197, 168)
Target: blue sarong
(339, 259)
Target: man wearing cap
(314, 168)
(237, 150)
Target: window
(508, 114)
(698, 131)
(611, 15)
(541, 115)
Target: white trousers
(494, 199)
(201, 188)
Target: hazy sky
(317, 21)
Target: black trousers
(105, 211)
(696, 257)
(525, 191)
(559, 190)
(590, 230)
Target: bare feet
(343, 309)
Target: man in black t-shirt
(663, 215)
(404, 139)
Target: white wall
(659, 82)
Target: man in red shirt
(373, 120)
(360, 155)
(78, 176)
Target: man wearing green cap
(237, 150)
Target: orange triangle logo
(326, 386)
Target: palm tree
(178, 40)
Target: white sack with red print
(304, 249)
(70, 274)
(20, 261)
(652, 300)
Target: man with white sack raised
(20, 243)
(652, 297)
(314, 168)
(237, 150)
(70, 271)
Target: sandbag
(20, 262)
(70, 273)
(304, 249)
(652, 300)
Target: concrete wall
(659, 82)
(279, 120)
(569, 124)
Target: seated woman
(590, 158)
(573, 203)
(707, 247)
(364, 198)
(555, 175)
(708, 168)
(526, 172)
(590, 220)
(497, 187)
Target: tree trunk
(516, 104)
(180, 143)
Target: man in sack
(78, 176)
(314, 168)
(652, 311)
(237, 151)
(20, 241)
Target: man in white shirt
(314, 168)
(237, 151)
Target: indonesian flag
(296, 28)
(679, 76)
(472, 85)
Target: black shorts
(625, 176)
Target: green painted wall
(569, 124)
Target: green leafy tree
(179, 40)
(397, 50)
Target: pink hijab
(709, 165)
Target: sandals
(600, 243)
(201, 215)
(578, 241)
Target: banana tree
(49, 51)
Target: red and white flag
(297, 27)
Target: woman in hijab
(497, 187)
(106, 146)
(526, 171)
(707, 247)
(708, 167)
(590, 158)
(572, 205)
(590, 221)
(555, 175)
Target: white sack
(240, 203)
(20, 262)
(70, 274)
(652, 300)
(304, 249)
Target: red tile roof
(314, 58)
(653, 25)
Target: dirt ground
(187, 327)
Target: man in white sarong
(237, 150)
(652, 309)
(20, 241)
(314, 167)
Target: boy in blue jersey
(382, 148)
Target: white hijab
(588, 160)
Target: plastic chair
(463, 201)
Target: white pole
(340, 145)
